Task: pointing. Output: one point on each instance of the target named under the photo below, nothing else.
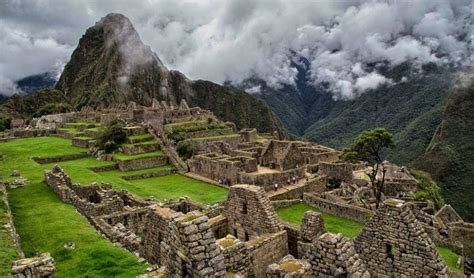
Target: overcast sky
(233, 40)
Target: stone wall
(218, 226)
(157, 229)
(221, 167)
(265, 250)
(293, 236)
(55, 159)
(250, 213)
(464, 233)
(82, 143)
(267, 180)
(312, 226)
(24, 133)
(150, 175)
(141, 148)
(285, 203)
(289, 267)
(142, 163)
(236, 255)
(282, 155)
(336, 171)
(42, 266)
(189, 248)
(249, 134)
(393, 242)
(355, 213)
(9, 225)
(334, 255)
(315, 158)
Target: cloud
(237, 39)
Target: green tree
(112, 136)
(369, 146)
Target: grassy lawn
(216, 137)
(450, 258)
(19, 151)
(334, 224)
(162, 188)
(8, 252)
(45, 223)
(122, 156)
(141, 136)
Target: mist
(234, 40)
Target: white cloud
(237, 39)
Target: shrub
(52, 108)
(427, 189)
(4, 122)
(185, 149)
(112, 136)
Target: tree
(369, 147)
(112, 136)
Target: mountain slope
(450, 155)
(411, 110)
(112, 65)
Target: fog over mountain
(240, 39)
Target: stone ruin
(35, 267)
(248, 239)
(157, 115)
(263, 165)
(289, 267)
(393, 242)
(333, 255)
(184, 243)
(249, 213)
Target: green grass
(450, 258)
(216, 137)
(140, 136)
(82, 124)
(8, 253)
(19, 151)
(334, 224)
(85, 138)
(96, 129)
(152, 142)
(45, 223)
(70, 130)
(122, 156)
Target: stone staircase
(168, 149)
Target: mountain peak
(112, 65)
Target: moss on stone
(290, 266)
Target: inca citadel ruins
(242, 236)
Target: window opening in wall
(247, 237)
(244, 207)
(235, 233)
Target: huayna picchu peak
(111, 65)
